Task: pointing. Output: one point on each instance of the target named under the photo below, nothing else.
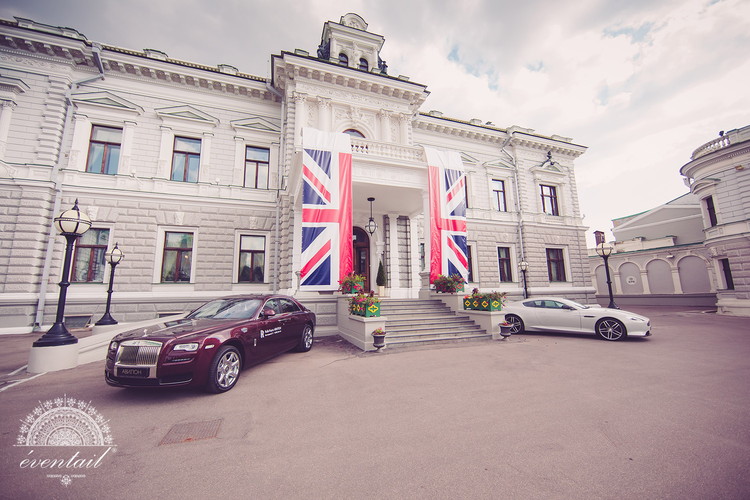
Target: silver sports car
(553, 314)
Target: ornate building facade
(194, 172)
(694, 250)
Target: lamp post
(371, 226)
(604, 250)
(524, 267)
(71, 224)
(113, 257)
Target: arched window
(363, 64)
(343, 59)
(354, 133)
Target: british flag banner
(326, 209)
(447, 181)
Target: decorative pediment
(548, 166)
(257, 123)
(498, 163)
(186, 113)
(104, 100)
(468, 158)
(12, 85)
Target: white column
(404, 121)
(6, 113)
(385, 130)
(299, 117)
(676, 280)
(324, 114)
(126, 149)
(395, 259)
(204, 171)
(238, 175)
(164, 164)
(80, 142)
(426, 228)
(644, 280)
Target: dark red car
(211, 345)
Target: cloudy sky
(642, 83)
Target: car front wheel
(516, 324)
(306, 340)
(224, 370)
(610, 329)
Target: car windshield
(227, 309)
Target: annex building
(194, 172)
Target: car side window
(552, 304)
(288, 306)
(273, 304)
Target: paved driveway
(536, 416)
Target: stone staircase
(418, 322)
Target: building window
(256, 167)
(728, 281)
(252, 259)
(503, 261)
(343, 59)
(469, 264)
(354, 133)
(186, 159)
(178, 257)
(363, 64)
(88, 261)
(549, 199)
(555, 264)
(711, 211)
(104, 150)
(498, 189)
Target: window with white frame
(256, 167)
(252, 259)
(549, 199)
(104, 150)
(498, 194)
(177, 258)
(186, 159)
(88, 261)
(470, 264)
(555, 264)
(708, 202)
(503, 262)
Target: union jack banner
(448, 251)
(326, 209)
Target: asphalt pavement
(535, 416)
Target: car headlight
(113, 346)
(190, 347)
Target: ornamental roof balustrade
(374, 149)
(723, 141)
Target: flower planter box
(347, 288)
(371, 311)
(482, 304)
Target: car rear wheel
(610, 329)
(224, 370)
(306, 340)
(516, 324)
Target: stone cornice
(77, 53)
(288, 66)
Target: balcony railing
(386, 150)
(711, 146)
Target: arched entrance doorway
(361, 244)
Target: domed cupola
(348, 43)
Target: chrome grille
(138, 353)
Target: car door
(271, 326)
(557, 316)
(293, 323)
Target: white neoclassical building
(694, 250)
(193, 171)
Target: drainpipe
(96, 50)
(282, 155)
(518, 194)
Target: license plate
(132, 372)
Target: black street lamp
(371, 226)
(524, 267)
(113, 257)
(604, 250)
(71, 224)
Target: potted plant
(381, 279)
(472, 301)
(352, 283)
(378, 336)
(449, 284)
(363, 304)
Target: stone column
(126, 151)
(393, 250)
(324, 114)
(384, 120)
(6, 113)
(299, 116)
(644, 280)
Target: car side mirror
(268, 312)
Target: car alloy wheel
(225, 369)
(306, 340)
(516, 324)
(610, 329)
